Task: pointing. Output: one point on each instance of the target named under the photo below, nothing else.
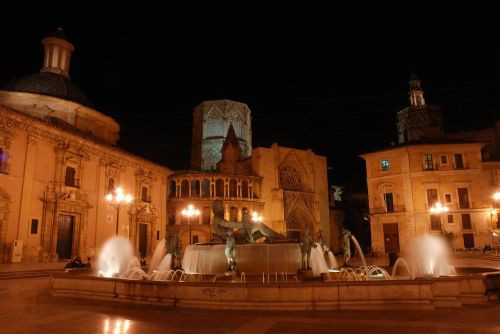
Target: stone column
(27, 187)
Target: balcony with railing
(381, 210)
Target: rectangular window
(432, 197)
(69, 177)
(447, 198)
(466, 222)
(195, 239)
(435, 223)
(34, 226)
(389, 202)
(385, 165)
(463, 198)
(157, 235)
(450, 219)
(444, 159)
(3, 162)
(459, 161)
(428, 164)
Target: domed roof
(51, 84)
(58, 33)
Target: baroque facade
(458, 170)
(59, 160)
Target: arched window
(69, 178)
(211, 157)
(206, 216)
(185, 189)
(233, 214)
(290, 179)
(233, 192)
(144, 194)
(205, 188)
(219, 188)
(111, 185)
(172, 189)
(244, 189)
(195, 188)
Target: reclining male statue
(247, 231)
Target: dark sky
(330, 79)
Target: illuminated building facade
(59, 160)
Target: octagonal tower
(211, 121)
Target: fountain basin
(399, 294)
(251, 258)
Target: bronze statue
(220, 225)
(346, 236)
(173, 246)
(322, 243)
(253, 230)
(230, 251)
(305, 248)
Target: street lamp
(438, 208)
(117, 201)
(256, 217)
(496, 196)
(190, 212)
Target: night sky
(329, 79)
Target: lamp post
(189, 212)
(117, 201)
(492, 212)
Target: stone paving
(26, 307)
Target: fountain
(116, 257)
(395, 273)
(238, 272)
(428, 257)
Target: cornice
(13, 119)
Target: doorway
(143, 239)
(65, 236)
(468, 240)
(391, 238)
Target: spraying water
(115, 257)
(428, 255)
(358, 248)
(158, 256)
(397, 264)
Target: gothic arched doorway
(296, 223)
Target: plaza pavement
(26, 307)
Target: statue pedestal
(306, 274)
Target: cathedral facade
(285, 186)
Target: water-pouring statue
(321, 241)
(346, 236)
(230, 251)
(305, 248)
(173, 246)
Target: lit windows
(385, 165)
(427, 160)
